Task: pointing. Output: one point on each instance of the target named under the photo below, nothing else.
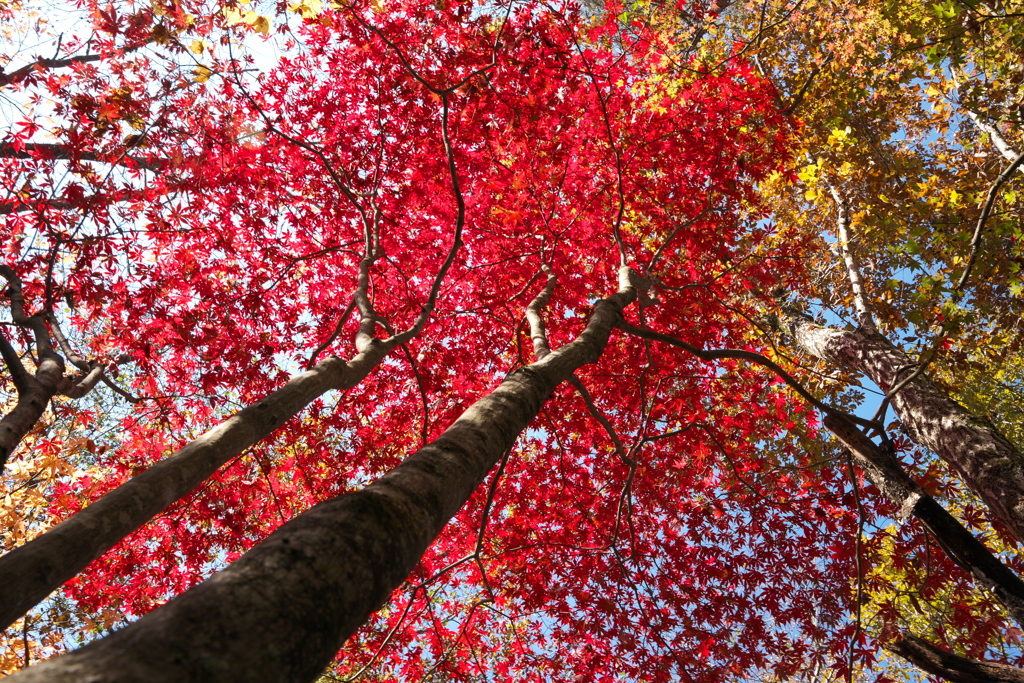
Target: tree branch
(537, 332)
(926, 656)
(852, 268)
(929, 355)
(43, 64)
(966, 551)
(986, 211)
(460, 222)
(994, 134)
(739, 354)
(48, 150)
(334, 335)
(19, 375)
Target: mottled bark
(953, 667)
(986, 461)
(29, 573)
(281, 612)
(995, 136)
(885, 472)
(845, 245)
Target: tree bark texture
(986, 461)
(952, 667)
(29, 573)
(886, 472)
(33, 397)
(281, 612)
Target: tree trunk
(33, 397)
(988, 463)
(29, 573)
(281, 612)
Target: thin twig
(739, 354)
(334, 335)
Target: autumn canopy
(508, 341)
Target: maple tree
(426, 164)
(443, 172)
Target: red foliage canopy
(459, 153)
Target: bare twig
(334, 335)
(604, 422)
(42, 64)
(49, 150)
(460, 222)
(682, 226)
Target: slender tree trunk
(29, 573)
(281, 612)
(984, 458)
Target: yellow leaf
(840, 137)
(808, 173)
(309, 9)
(196, 46)
(261, 25)
(202, 74)
(160, 35)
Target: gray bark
(281, 612)
(31, 572)
(986, 461)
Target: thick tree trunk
(281, 612)
(952, 667)
(986, 461)
(29, 573)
